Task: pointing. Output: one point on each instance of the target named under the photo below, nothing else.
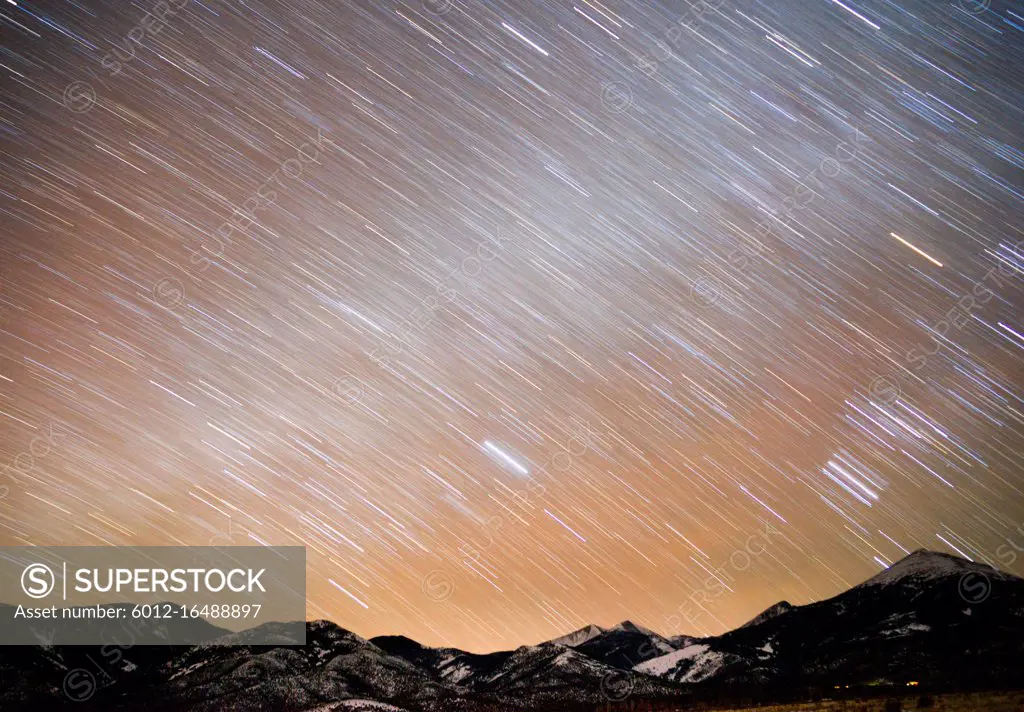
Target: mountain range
(932, 620)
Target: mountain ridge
(910, 563)
(912, 622)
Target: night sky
(521, 316)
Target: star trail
(520, 316)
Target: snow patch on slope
(906, 630)
(365, 705)
(455, 672)
(694, 662)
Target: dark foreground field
(967, 702)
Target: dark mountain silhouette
(932, 619)
(768, 613)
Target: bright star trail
(521, 316)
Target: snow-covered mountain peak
(631, 627)
(924, 565)
(579, 637)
